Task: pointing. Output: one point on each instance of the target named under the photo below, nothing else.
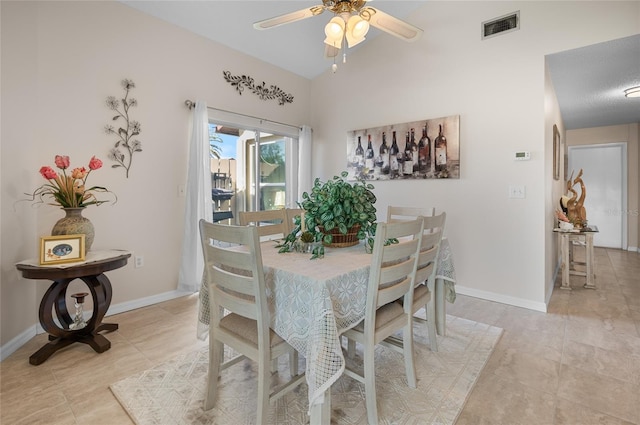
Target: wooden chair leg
(351, 348)
(264, 385)
(293, 363)
(370, 385)
(407, 347)
(215, 359)
(431, 325)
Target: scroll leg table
(62, 329)
(60, 335)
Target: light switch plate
(517, 191)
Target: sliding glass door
(249, 168)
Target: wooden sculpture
(574, 204)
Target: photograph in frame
(62, 249)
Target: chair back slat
(244, 306)
(268, 222)
(427, 256)
(424, 272)
(398, 251)
(237, 257)
(395, 213)
(232, 279)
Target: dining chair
(425, 276)
(292, 213)
(235, 278)
(270, 223)
(391, 278)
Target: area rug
(173, 392)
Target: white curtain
(305, 141)
(298, 172)
(198, 201)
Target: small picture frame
(61, 249)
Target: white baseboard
(500, 298)
(633, 249)
(144, 302)
(17, 342)
(551, 285)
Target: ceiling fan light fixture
(357, 28)
(334, 31)
(632, 92)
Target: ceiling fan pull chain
(344, 47)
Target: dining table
(311, 303)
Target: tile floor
(577, 364)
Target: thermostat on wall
(523, 156)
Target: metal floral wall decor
(260, 90)
(425, 149)
(127, 144)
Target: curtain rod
(191, 104)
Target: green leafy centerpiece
(337, 213)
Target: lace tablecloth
(312, 302)
(446, 271)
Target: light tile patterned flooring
(577, 364)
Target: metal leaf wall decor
(261, 90)
(126, 144)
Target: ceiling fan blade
(288, 18)
(330, 51)
(391, 25)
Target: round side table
(60, 334)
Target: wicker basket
(341, 240)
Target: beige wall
(60, 60)
(503, 247)
(615, 134)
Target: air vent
(501, 25)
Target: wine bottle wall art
(425, 149)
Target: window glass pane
(272, 174)
(222, 154)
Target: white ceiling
(589, 81)
(297, 47)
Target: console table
(566, 240)
(91, 272)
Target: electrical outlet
(139, 261)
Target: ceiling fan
(350, 24)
